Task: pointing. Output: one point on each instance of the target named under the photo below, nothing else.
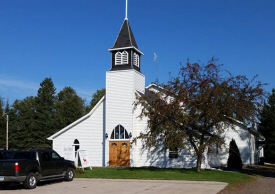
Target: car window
(1, 156)
(8, 154)
(55, 157)
(24, 155)
(45, 156)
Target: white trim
(155, 85)
(113, 140)
(136, 59)
(119, 134)
(77, 121)
(118, 58)
(121, 58)
(123, 48)
(126, 70)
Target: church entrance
(119, 153)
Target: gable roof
(77, 121)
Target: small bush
(79, 171)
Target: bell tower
(125, 52)
(123, 81)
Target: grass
(231, 178)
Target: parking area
(120, 186)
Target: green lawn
(164, 174)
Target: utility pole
(7, 133)
(7, 130)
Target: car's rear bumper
(4, 179)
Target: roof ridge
(128, 26)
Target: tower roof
(125, 37)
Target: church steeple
(125, 52)
(125, 37)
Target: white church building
(107, 130)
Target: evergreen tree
(234, 160)
(35, 118)
(267, 128)
(7, 116)
(45, 111)
(69, 108)
(13, 132)
(23, 124)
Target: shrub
(234, 159)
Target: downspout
(104, 139)
(249, 145)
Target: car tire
(69, 174)
(31, 181)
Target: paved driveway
(119, 186)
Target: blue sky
(68, 40)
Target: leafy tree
(195, 109)
(69, 108)
(267, 127)
(95, 99)
(234, 159)
(45, 111)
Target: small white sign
(68, 153)
(83, 156)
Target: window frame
(121, 58)
(136, 59)
(173, 153)
(119, 136)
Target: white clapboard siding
(120, 96)
(139, 82)
(88, 130)
(143, 157)
(140, 156)
(242, 137)
(156, 157)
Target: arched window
(136, 59)
(76, 146)
(124, 57)
(121, 58)
(119, 133)
(118, 58)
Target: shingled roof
(125, 37)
